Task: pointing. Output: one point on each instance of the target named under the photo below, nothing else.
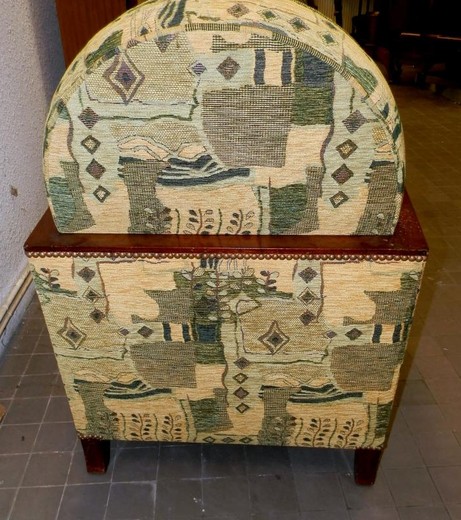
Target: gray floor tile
(138, 464)
(56, 437)
(223, 461)
(454, 510)
(17, 438)
(324, 515)
(168, 506)
(415, 392)
(446, 390)
(58, 410)
(452, 415)
(448, 482)
(425, 418)
(412, 487)
(8, 386)
(41, 503)
(385, 513)
(6, 501)
(436, 367)
(47, 469)
(226, 497)
(14, 365)
(321, 491)
(79, 475)
(311, 460)
(36, 385)
(180, 461)
(42, 364)
(439, 448)
(11, 469)
(268, 460)
(402, 452)
(423, 513)
(377, 496)
(43, 345)
(22, 344)
(23, 411)
(131, 501)
(273, 493)
(87, 502)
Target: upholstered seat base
(289, 341)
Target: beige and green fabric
(274, 351)
(224, 117)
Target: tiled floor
(42, 475)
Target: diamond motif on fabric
(238, 10)
(91, 295)
(328, 38)
(72, 334)
(124, 77)
(87, 274)
(101, 193)
(342, 174)
(274, 339)
(163, 42)
(354, 121)
(228, 440)
(145, 331)
(197, 68)
(307, 296)
(242, 407)
(307, 317)
(353, 334)
(240, 378)
(308, 274)
(123, 332)
(346, 149)
(330, 334)
(89, 117)
(91, 144)
(242, 363)
(209, 439)
(268, 15)
(338, 199)
(95, 169)
(97, 315)
(298, 24)
(228, 68)
(246, 440)
(241, 393)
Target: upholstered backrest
(224, 117)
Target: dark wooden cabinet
(79, 20)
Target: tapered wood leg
(366, 466)
(97, 454)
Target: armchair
(227, 258)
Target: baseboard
(13, 309)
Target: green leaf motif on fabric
(106, 51)
(363, 76)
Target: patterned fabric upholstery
(224, 117)
(298, 352)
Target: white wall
(31, 64)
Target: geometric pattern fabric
(256, 351)
(224, 117)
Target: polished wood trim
(97, 454)
(407, 241)
(366, 465)
(80, 20)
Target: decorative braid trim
(239, 256)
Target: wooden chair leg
(366, 464)
(97, 454)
